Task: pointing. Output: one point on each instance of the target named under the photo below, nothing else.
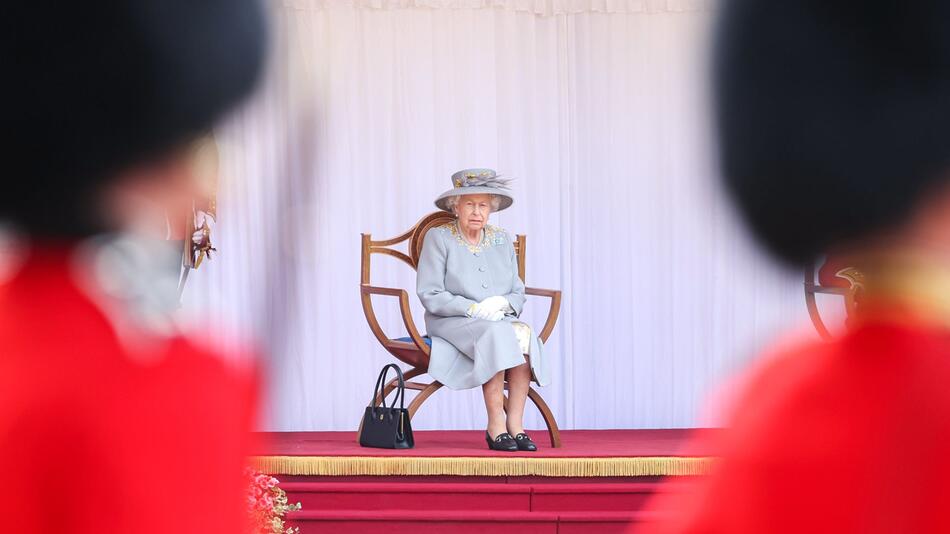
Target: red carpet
(351, 501)
(413, 507)
(469, 443)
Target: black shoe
(524, 443)
(503, 442)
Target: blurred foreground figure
(110, 421)
(834, 120)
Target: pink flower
(267, 503)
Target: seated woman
(469, 285)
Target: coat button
(485, 285)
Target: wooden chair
(414, 349)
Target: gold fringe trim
(483, 466)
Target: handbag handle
(381, 384)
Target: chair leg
(424, 394)
(548, 417)
(546, 414)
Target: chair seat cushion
(409, 340)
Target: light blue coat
(452, 276)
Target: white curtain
(538, 7)
(596, 108)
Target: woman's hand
(496, 316)
(490, 309)
(495, 304)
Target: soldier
(111, 420)
(833, 120)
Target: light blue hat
(477, 182)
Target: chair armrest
(366, 292)
(833, 290)
(553, 311)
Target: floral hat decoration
(477, 182)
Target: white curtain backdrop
(594, 107)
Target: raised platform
(598, 482)
(585, 453)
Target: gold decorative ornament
(488, 237)
(484, 466)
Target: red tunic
(849, 436)
(97, 436)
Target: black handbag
(387, 427)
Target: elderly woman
(469, 285)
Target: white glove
(495, 304)
(497, 316)
(479, 311)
